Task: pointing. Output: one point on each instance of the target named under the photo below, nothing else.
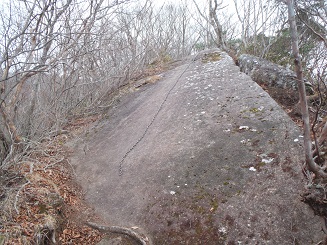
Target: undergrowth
(40, 200)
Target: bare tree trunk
(221, 40)
(15, 137)
(302, 93)
(214, 22)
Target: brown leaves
(48, 196)
(79, 235)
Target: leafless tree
(310, 162)
(27, 47)
(213, 20)
(258, 25)
(41, 42)
(68, 56)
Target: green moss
(214, 204)
(199, 197)
(254, 110)
(2, 239)
(212, 57)
(198, 229)
(200, 210)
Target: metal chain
(153, 119)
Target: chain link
(153, 119)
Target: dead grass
(40, 200)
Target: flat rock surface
(203, 156)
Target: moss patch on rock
(211, 57)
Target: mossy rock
(212, 57)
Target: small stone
(223, 230)
(269, 160)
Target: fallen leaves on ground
(42, 196)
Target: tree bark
(221, 40)
(312, 166)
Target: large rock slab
(207, 157)
(268, 73)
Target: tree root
(131, 232)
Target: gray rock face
(268, 73)
(211, 159)
(111, 241)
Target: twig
(140, 238)
(54, 163)
(71, 166)
(307, 174)
(17, 195)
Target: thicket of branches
(64, 58)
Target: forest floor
(172, 197)
(44, 196)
